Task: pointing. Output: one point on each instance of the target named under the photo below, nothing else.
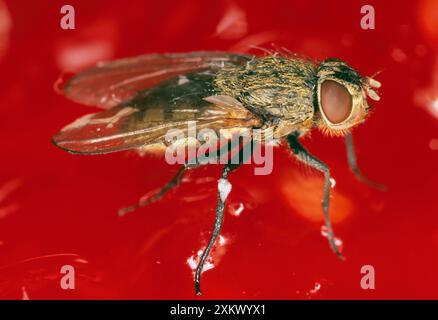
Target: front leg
(352, 162)
(307, 158)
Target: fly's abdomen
(181, 98)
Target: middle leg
(224, 188)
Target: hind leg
(176, 180)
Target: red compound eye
(335, 101)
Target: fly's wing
(108, 84)
(147, 117)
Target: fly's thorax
(285, 127)
(272, 87)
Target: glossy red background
(57, 208)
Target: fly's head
(341, 97)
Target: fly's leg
(352, 162)
(223, 183)
(224, 188)
(307, 158)
(176, 180)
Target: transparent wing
(147, 117)
(108, 84)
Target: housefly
(148, 95)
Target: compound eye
(336, 102)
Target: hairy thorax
(280, 90)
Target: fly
(146, 96)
